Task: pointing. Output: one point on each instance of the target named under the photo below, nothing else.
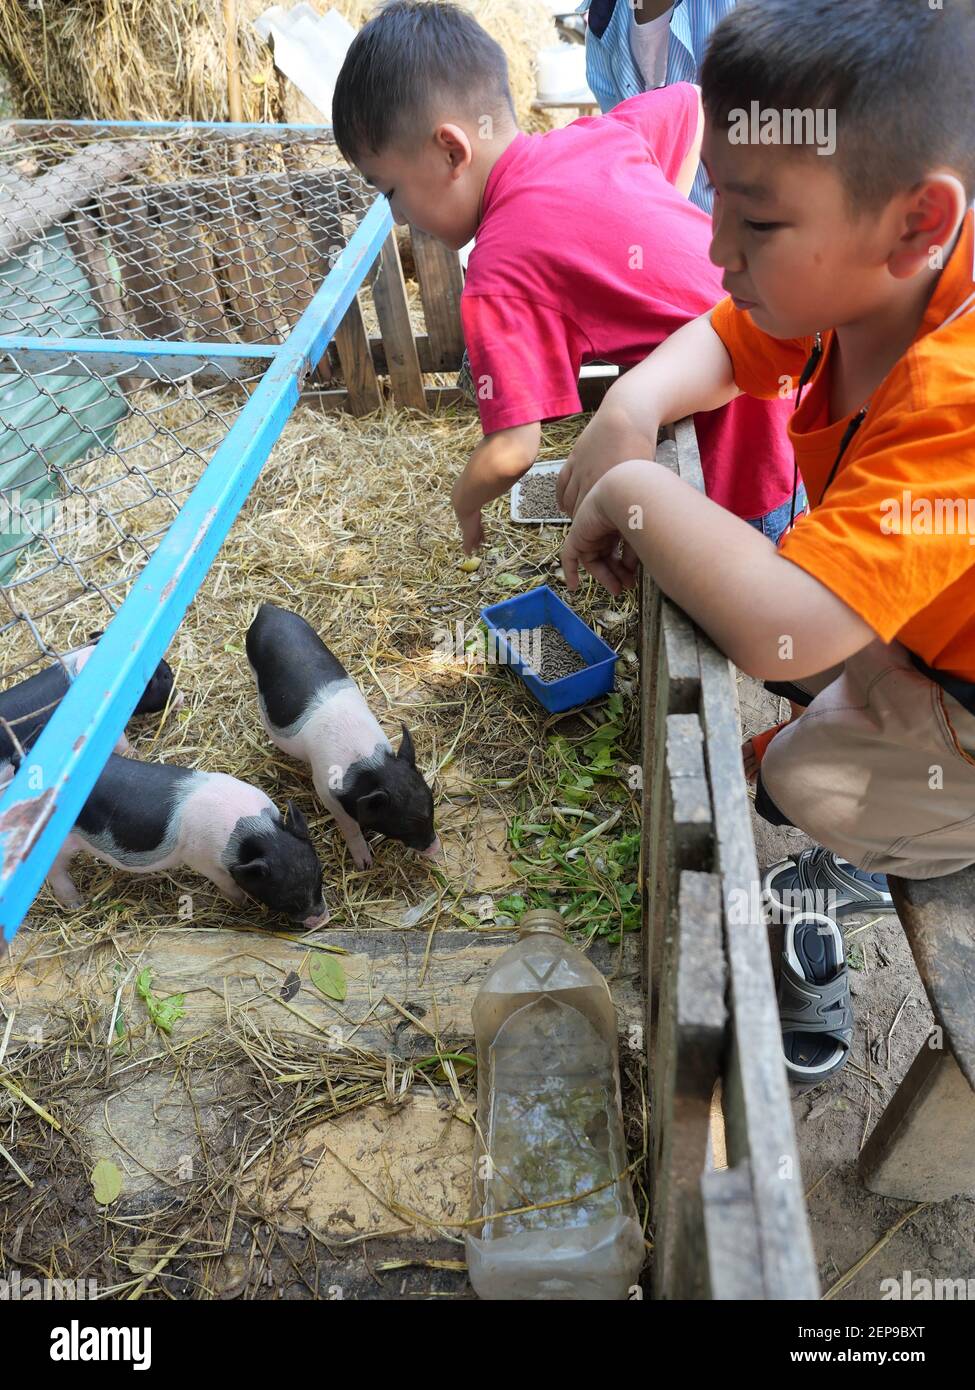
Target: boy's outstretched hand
(594, 542)
(609, 438)
(497, 462)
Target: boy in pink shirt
(587, 247)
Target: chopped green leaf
(328, 976)
(106, 1180)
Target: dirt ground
(892, 1019)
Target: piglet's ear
(369, 807)
(251, 861)
(296, 823)
(406, 750)
(251, 871)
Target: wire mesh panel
(219, 234)
(164, 291)
(77, 532)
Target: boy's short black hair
(409, 55)
(899, 75)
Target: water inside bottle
(549, 1132)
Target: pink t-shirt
(586, 251)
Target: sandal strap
(808, 1007)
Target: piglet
(28, 706)
(313, 710)
(149, 817)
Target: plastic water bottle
(550, 1127)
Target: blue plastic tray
(533, 610)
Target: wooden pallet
(240, 259)
(741, 1231)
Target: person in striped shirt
(635, 45)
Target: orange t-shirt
(894, 537)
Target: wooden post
(393, 312)
(923, 1148)
(233, 61)
(441, 281)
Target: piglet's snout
(433, 851)
(318, 921)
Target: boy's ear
(452, 141)
(932, 214)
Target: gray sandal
(814, 999)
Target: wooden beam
(938, 917)
(441, 280)
(234, 98)
(392, 309)
(923, 1147)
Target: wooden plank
(285, 241)
(757, 1110)
(317, 198)
(689, 795)
(731, 1235)
(758, 1114)
(392, 309)
(689, 455)
(194, 277)
(238, 260)
(441, 280)
(690, 1043)
(680, 839)
(146, 277)
(938, 917)
(923, 1147)
(88, 248)
(352, 345)
(438, 398)
(223, 968)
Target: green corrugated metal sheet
(44, 292)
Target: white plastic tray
(549, 466)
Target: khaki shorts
(880, 768)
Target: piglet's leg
(62, 885)
(353, 836)
(226, 884)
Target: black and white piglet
(313, 709)
(28, 706)
(149, 817)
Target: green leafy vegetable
(163, 1013)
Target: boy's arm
(688, 170)
(498, 461)
(690, 371)
(770, 617)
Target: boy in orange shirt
(855, 273)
